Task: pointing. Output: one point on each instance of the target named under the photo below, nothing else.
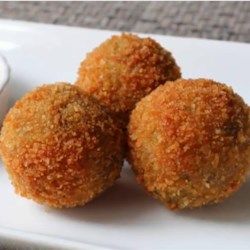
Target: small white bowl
(4, 88)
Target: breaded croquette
(60, 147)
(189, 142)
(124, 69)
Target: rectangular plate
(124, 217)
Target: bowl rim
(4, 73)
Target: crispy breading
(124, 69)
(60, 147)
(190, 142)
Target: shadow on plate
(235, 209)
(18, 88)
(127, 202)
(123, 203)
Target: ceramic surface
(125, 217)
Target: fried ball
(190, 142)
(124, 69)
(59, 147)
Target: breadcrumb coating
(124, 69)
(190, 142)
(60, 147)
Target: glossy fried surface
(59, 147)
(124, 69)
(190, 142)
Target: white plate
(124, 217)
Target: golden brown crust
(124, 69)
(59, 147)
(190, 142)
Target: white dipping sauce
(4, 88)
